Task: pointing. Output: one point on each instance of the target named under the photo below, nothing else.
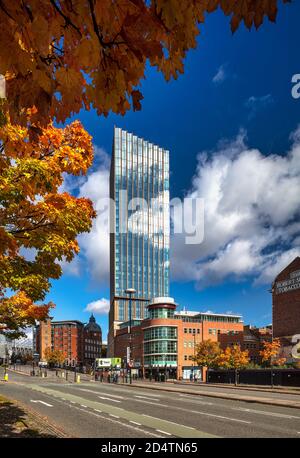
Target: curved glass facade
(160, 345)
(161, 313)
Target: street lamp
(130, 292)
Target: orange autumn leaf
(36, 216)
(61, 56)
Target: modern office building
(139, 232)
(165, 342)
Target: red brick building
(286, 301)
(92, 341)
(80, 344)
(250, 338)
(166, 340)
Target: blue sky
(235, 87)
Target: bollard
(6, 377)
(43, 375)
(62, 375)
(77, 378)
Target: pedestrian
(191, 376)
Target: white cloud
(255, 104)
(252, 209)
(94, 245)
(221, 75)
(101, 306)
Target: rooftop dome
(92, 325)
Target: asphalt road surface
(94, 409)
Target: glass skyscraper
(140, 227)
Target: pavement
(95, 409)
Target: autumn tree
(53, 357)
(269, 351)
(59, 56)
(233, 358)
(38, 223)
(207, 353)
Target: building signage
(116, 362)
(288, 285)
(103, 362)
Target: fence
(276, 377)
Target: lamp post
(130, 292)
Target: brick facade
(80, 344)
(250, 339)
(191, 329)
(286, 304)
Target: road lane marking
(190, 396)
(119, 422)
(163, 432)
(169, 421)
(109, 399)
(115, 416)
(205, 403)
(135, 422)
(262, 412)
(82, 405)
(146, 397)
(97, 410)
(42, 402)
(97, 392)
(149, 402)
(153, 423)
(221, 417)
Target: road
(94, 409)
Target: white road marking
(221, 417)
(135, 422)
(82, 405)
(149, 402)
(190, 396)
(108, 399)
(42, 402)
(146, 397)
(172, 422)
(153, 395)
(97, 410)
(205, 403)
(115, 416)
(118, 422)
(262, 412)
(97, 392)
(163, 432)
